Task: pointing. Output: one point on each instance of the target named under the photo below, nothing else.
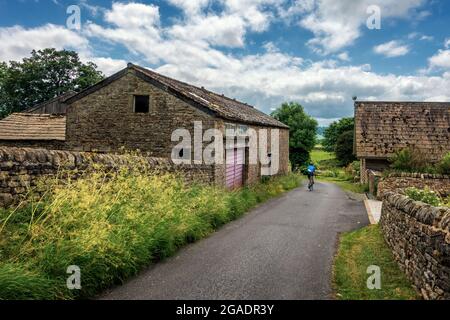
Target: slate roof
(382, 128)
(29, 126)
(218, 105)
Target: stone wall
(398, 182)
(419, 236)
(21, 168)
(383, 128)
(105, 121)
(44, 144)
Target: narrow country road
(280, 250)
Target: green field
(329, 170)
(357, 251)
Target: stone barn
(137, 108)
(383, 128)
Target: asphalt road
(280, 250)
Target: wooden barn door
(235, 168)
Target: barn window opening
(181, 153)
(141, 104)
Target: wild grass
(111, 225)
(357, 251)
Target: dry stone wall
(21, 168)
(419, 236)
(398, 182)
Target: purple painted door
(234, 168)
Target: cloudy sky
(317, 52)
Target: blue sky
(317, 52)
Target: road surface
(280, 250)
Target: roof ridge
(191, 85)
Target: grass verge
(112, 225)
(357, 251)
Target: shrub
(111, 225)
(443, 166)
(411, 159)
(424, 195)
(344, 148)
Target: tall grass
(111, 225)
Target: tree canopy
(336, 129)
(44, 75)
(344, 147)
(302, 134)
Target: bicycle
(311, 181)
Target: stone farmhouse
(137, 108)
(383, 128)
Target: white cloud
(447, 43)
(190, 7)
(440, 60)
(133, 15)
(17, 42)
(420, 36)
(392, 49)
(337, 24)
(344, 56)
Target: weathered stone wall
(21, 168)
(419, 236)
(105, 120)
(252, 172)
(51, 144)
(382, 128)
(398, 182)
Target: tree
(344, 147)
(41, 77)
(333, 132)
(302, 134)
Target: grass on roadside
(112, 225)
(357, 251)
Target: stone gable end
(105, 120)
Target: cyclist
(311, 171)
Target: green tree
(344, 148)
(302, 134)
(333, 132)
(44, 75)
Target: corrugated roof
(382, 128)
(28, 126)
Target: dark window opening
(141, 104)
(181, 153)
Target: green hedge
(111, 226)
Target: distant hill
(320, 132)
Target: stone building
(383, 128)
(137, 108)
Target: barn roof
(216, 104)
(29, 126)
(382, 128)
(53, 106)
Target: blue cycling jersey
(311, 169)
